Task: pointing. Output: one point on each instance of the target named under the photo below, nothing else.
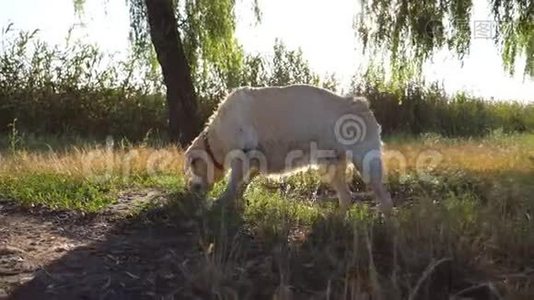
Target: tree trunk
(181, 97)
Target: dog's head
(201, 170)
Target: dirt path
(60, 255)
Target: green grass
(318, 252)
(469, 223)
(62, 192)
(57, 191)
(74, 173)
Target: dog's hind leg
(372, 171)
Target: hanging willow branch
(207, 28)
(411, 31)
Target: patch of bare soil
(69, 255)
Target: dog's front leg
(231, 193)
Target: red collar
(210, 154)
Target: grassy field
(462, 224)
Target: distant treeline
(77, 90)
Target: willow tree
(411, 31)
(190, 37)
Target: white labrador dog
(276, 130)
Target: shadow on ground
(140, 256)
(176, 248)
